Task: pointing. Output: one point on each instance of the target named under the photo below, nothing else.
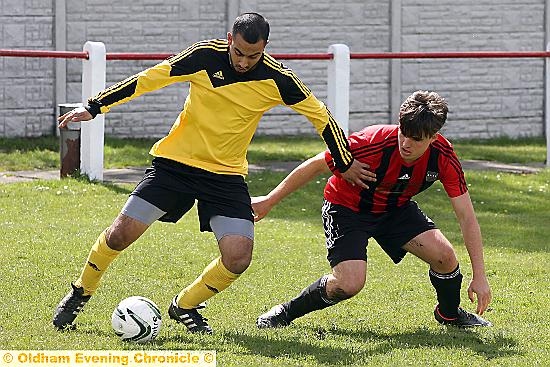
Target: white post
(60, 64)
(396, 84)
(338, 85)
(547, 105)
(91, 138)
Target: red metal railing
(138, 55)
(294, 56)
(162, 56)
(43, 53)
(449, 55)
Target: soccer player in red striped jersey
(407, 159)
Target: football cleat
(69, 307)
(464, 319)
(191, 318)
(275, 318)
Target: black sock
(447, 287)
(312, 298)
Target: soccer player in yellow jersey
(233, 82)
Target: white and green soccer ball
(136, 319)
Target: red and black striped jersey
(223, 108)
(396, 181)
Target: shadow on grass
(269, 344)
(360, 345)
(114, 187)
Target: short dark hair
(422, 114)
(253, 27)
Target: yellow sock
(98, 261)
(214, 279)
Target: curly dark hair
(422, 114)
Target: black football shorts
(347, 232)
(174, 187)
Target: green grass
(47, 228)
(506, 150)
(20, 154)
(43, 153)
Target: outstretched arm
(471, 233)
(300, 176)
(177, 68)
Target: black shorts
(347, 232)
(173, 187)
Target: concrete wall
(26, 85)
(487, 97)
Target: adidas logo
(218, 75)
(405, 177)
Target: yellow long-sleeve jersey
(223, 108)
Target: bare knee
(123, 232)
(446, 261)
(237, 265)
(341, 289)
(117, 239)
(236, 253)
(347, 279)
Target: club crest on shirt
(431, 176)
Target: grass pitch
(48, 227)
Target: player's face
(412, 148)
(243, 55)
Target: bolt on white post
(92, 132)
(338, 85)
